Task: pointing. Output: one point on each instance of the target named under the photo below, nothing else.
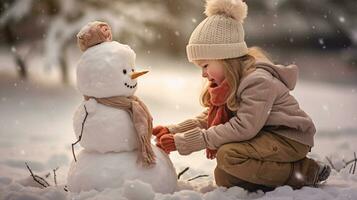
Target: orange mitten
(168, 143)
(210, 153)
(158, 132)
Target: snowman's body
(94, 170)
(106, 129)
(109, 137)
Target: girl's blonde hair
(235, 69)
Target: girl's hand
(210, 153)
(158, 132)
(167, 143)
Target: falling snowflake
(13, 49)
(325, 107)
(342, 19)
(321, 41)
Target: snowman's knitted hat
(221, 34)
(92, 34)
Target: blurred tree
(8, 17)
(141, 22)
(127, 18)
(325, 24)
(149, 25)
(340, 15)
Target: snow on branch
(352, 162)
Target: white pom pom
(236, 9)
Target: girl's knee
(222, 151)
(232, 153)
(223, 179)
(220, 177)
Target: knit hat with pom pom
(92, 34)
(221, 34)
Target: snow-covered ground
(36, 127)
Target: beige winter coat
(265, 103)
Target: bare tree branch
(351, 161)
(182, 172)
(350, 171)
(48, 174)
(54, 175)
(37, 178)
(354, 168)
(80, 136)
(199, 176)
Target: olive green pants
(264, 162)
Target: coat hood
(286, 74)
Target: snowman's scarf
(142, 120)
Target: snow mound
(340, 186)
(98, 171)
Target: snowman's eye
(124, 71)
(132, 70)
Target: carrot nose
(135, 75)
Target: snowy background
(38, 95)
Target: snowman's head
(107, 69)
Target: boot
(307, 172)
(324, 173)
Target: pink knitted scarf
(218, 112)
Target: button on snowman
(112, 125)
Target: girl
(253, 126)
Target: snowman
(112, 125)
